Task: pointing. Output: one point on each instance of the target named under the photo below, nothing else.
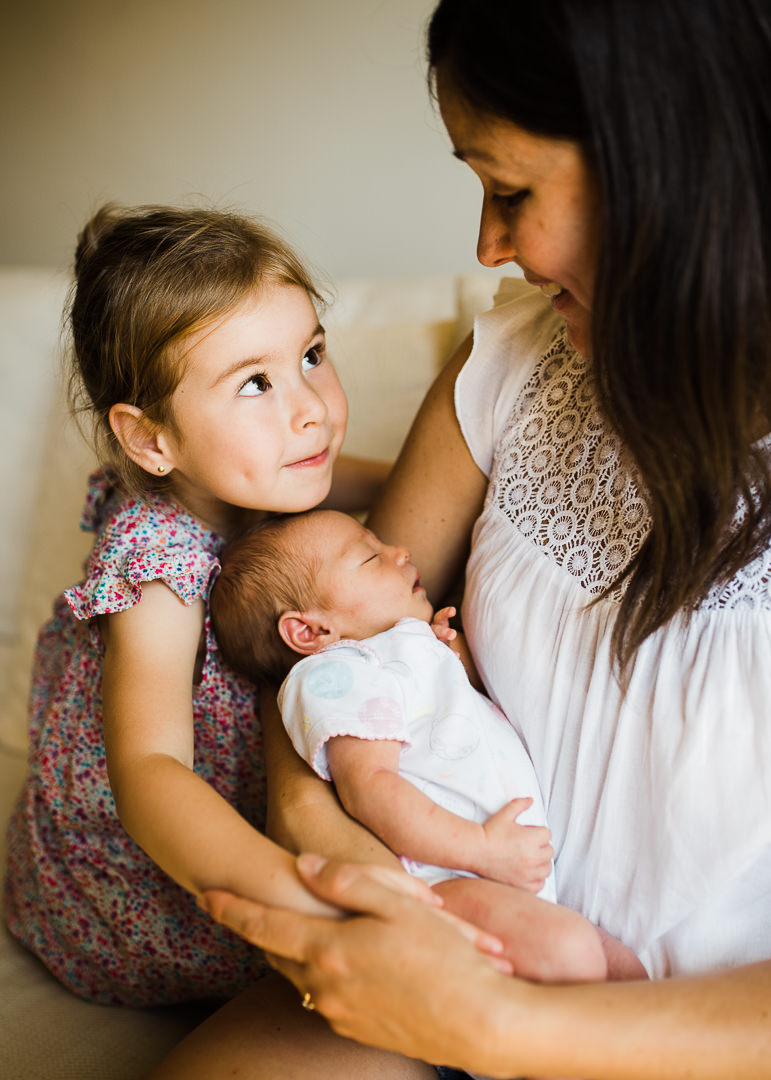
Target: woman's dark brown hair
(669, 101)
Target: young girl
(199, 354)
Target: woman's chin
(580, 337)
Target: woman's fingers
(276, 930)
(376, 890)
(354, 885)
(289, 938)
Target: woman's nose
(494, 245)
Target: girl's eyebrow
(256, 361)
(239, 365)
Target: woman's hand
(400, 975)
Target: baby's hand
(440, 624)
(515, 854)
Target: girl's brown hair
(145, 279)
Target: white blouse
(659, 798)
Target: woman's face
(539, 207)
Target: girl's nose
(309, 407)
(494, 245)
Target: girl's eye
(313, 357)
(255, 385)
(511, 201)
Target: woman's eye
(313, 357)
(255, 385)
(511, 201)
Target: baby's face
(366, 586)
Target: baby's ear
(141, 439)
(305, 632)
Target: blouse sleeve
(508, 341)
(343, 690)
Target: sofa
(388, 338)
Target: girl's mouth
(311, 462)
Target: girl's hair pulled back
(146, 278)
(669, 101)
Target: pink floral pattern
(79, 892)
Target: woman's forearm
(304, 813)
(714, 1026)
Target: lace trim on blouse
(565, 483)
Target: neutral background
(313, 113)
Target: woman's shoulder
(508, 342)
(521, 317)
(140, 539)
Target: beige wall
(311, 112)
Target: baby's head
(150, 283)
(297, 583)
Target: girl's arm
(401, 978)
(367, 780)
(435, 490)
(175, 816)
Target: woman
(612, 439)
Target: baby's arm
(179, 819)
(365, 773)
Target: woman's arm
(400, 977)
(435, 490)
(180, 820)
(304, 813)
(356, 483)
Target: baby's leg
(623, 964)
(264, 1034)
(544, 942)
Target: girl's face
(260, 413)
(539, 207)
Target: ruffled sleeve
(343, 690)
(140, 540)
(112, 588)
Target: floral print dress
(79, 893)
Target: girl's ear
(141, 439)
(306, 632)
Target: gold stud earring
(161, 468)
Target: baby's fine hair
(264, 574)
(146, 278)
